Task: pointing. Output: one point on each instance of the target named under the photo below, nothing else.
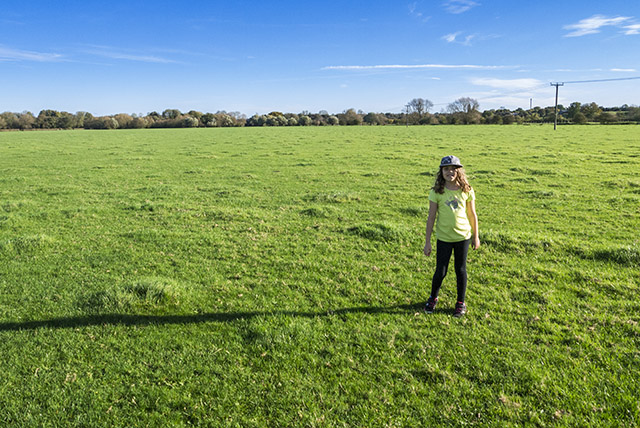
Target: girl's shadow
(221, 317)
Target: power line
(535, 88)
(555, 123)
(514, 92)
(602, 80)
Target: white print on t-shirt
(453, 203)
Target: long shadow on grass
(220, 317)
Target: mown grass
(275, 277)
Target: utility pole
(407, 115)
(555, 122)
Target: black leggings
(443, 254)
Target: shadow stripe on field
(137, 320)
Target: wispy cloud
(571, 70)
(10, 22)
(453, 38)
(416, 66)
(108, 52)
(593, 25)
(623, 70)
(8, 54)
(459, 6)
(632, 29)
(509, 84)
(413, 11)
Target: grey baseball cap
(450, 161)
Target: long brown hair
(461, 180)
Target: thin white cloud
(416, 66)
(570, 70)
(624, 70)
(130, 57)
(451, 37)
(632, 30)
(509, 84)
(8, 54)
(115, 53)
(593, 25)
(459, 6)
(466, 40)
(413, 11)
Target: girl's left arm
(473, 220)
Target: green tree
(189, 122)
(48, 119)
(196, 115)
(10, 120)
(634, 114)
(272, 120)
(139, 123)
(304, 120)
(579, 118)
(124, 120)
(80, 117)
(171, 114)
(225, 120)
(350, 117)
(26, 120)
(208, 119)
(370, 119)
(591, 110)
(66, 120)
(607, 117)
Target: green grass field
(259, 277)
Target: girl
(452, 201)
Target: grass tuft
(515, 243)
(416, 211)
(13, 206)
(333, 198)
(628, 255)
(142, 206)
(315, 212)
(384, 232)
(25, 244)
(144, 293)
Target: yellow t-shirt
(452, 223)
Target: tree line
(462, 111)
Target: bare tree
(420, 106)
(463, 105)
(465, 110)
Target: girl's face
(449, 173)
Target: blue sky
(259, 56)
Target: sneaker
(431, 305)
(460, 310)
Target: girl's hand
(475, 243)
(427, 249)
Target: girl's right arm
(431, 220)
